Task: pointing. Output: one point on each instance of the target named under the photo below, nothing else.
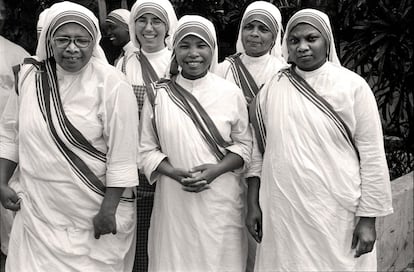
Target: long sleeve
(241, 133)
(376, 198)
(121, 133)
(9, 139)
(150, 155)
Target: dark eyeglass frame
(80, 42)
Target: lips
(147, 36)
(193, 64)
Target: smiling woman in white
(76, 155)
(195, 140)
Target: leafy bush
(379, 46)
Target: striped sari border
(43, 91)
(306, 90)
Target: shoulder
(224, 87)
(14, 53)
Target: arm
(8, 196)
(254, 212)
(376, 198)
(9, 155)
(364, 236)
(104, 222)
(120, 109)
(204, 174)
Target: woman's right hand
(9, 198)
(254, 221)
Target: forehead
(71, 29)
(192, 38)
(255, 23)
(149, 16)
(304, 29)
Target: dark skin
(199, 178)
(307, 49)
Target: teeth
(112, 38)
(193, 63)
(149, 36)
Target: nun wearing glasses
(74, 200)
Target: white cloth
(133, 70)
(44, 51)
(128, 49)
(323, 25)
(262, 7)
(196, 231)
(313, 186)
(167, 8)
(12, 54)
(53, 231)
(57, 209)
(261, 68)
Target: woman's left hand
(104, 223)
(203, 175)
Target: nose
(255, 32)
(72, 47)
(302, 46)
(193, 53)
(148, 26)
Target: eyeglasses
(155, 22)
(80, 42)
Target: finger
(14, 206)
(199, 168)
(197, 183)
(354, 241)
(195, 189)
(14, 198)
(259, 230)
(97, 234)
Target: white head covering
(119, 17)
(41, 21)
(269, 15)
(67, 12)
(200, 27)
(160, 8)
(318, 20)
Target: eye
(248, 27)
(157, 22)
(263, 29)
(82, 42)
(183, 46)
(292, 40)
(141, 21)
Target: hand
(202, 176)
(364, 236)
(254, 221)
(9, 198)
(104, 223)
(178, 174)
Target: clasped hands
(198, 178)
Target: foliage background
(373, 38)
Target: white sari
(196, 231)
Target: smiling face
(194, 56)
(257, 39)
(307, 47)
(72, 58)
(118, 35)
(150, 32)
